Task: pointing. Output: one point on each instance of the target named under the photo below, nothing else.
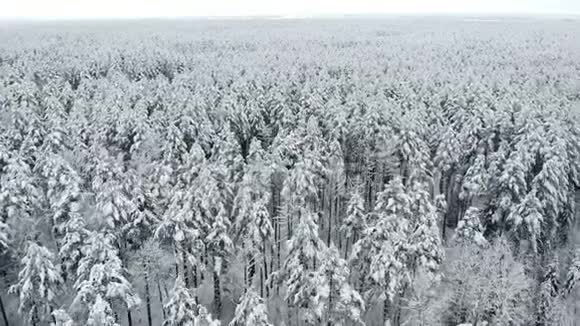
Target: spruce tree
(38, 284)
(251, 311)
(469, 229)
(183, 310)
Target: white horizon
(168, 9)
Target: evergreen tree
(548, 293)
(425, 244)
(475, 181)
(251, 311)
(72, 242)
(527, 219)
(183, 224)
(101, 277)
(469, 229)
(306, 286)
(219, 246)
(101, 313)
(512, 188)
(183, 310)
(113, 192)
(344, 304)
(20, 196)
(355, 220)
(383, 250)
(38, 283)
(401, 237)
(252, 223)
(62, 184)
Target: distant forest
(396, 171)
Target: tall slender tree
(38, 284)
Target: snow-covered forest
(396, 171)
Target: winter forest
(400, 171)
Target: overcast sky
(178, 8)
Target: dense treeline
(334, 172)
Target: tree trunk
(51, 310)
(261, 282)
(204, 260)
(251, 271)
(195, 285)
(147, 295)
(330, 302)
(217, 294)
(265, 270)
(176, 264)
(329, 228)
(272, 248)
(34, 317)
(288, 226)
(337, 221)
(278, 259)
(161, 299)
(3, 311)
(448, 194)
(165, 290)
(274, 216)
(185, 270)
(129, 317)
(386, 317)
(245, 276)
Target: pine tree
(175, 149)
(425, 244)
(112, 191)
(300, 188)
(183, 309)
(218, 245)
(486, 285)
(255, 231)
(71, 244)
(60, 180)
(63, 190)
(182, 306)
(306, 286)
(401, 237)
(548, 293)
(101, 313)
(512, 188)
(20, 195)
(469, 229)
(344, 304)
(183, 224)
(355, 221)
(38, 283)
(382, 253)
(551, 185)
(527, 219)
(100, 275)
(475, 181)
(448, 153)
(251, 311)
(252, 223)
